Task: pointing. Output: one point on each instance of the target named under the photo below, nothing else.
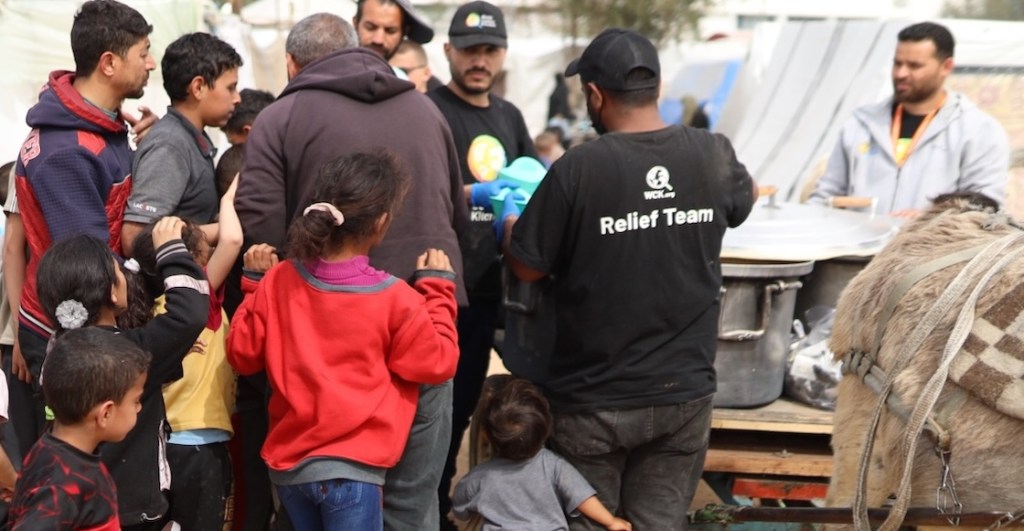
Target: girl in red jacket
(344, 346)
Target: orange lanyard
(897, 124)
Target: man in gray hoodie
(343, 99)
(923, 142)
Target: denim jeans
(645, 462)
(335, 504)
(410, 490)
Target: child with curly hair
(525, 486)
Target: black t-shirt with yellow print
(487, 140)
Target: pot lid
(766, 269)
(797, 232)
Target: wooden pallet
(782, 415)
(778, 451)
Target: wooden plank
(782, 415)
(779, 489)
(758, 461)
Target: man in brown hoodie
(342, 99)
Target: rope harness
(984, 262)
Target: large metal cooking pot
(774, 280)
(841, 242)
(753, 330)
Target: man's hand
(480, 193)
(909, 214)
(141, 125)
(260, 258)
(434, 259)
(509, 209)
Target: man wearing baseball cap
(629, 228)
(382, 24)
(489, 134)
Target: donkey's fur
(987, 447)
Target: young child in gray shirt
(525, 486)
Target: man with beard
(627, 230)
(382, 24)
(489, 133)
(923, 142)
(73, 177)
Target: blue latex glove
(509, 208)
(480, 193)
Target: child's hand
(618, 524)
(166, 230)
(260, 258)
(434, 259)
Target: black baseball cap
(612, 55)
(478, 23)
(419, 29)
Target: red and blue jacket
(73, 176)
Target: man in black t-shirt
(628, 229)
(489, 134)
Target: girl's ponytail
(351, 195)
(311, 234)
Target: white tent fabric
(821, 71)
(35, 39)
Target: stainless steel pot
(823, 285)
(841, 242)
(753, 330)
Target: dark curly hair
(145, 254)
(252, 102)
(517, 420)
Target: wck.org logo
(657, 180)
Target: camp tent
(785, 119)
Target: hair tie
(339, 218)
(71, 314)
(132, 265)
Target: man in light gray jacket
(922, 142)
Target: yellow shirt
(205, 397)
